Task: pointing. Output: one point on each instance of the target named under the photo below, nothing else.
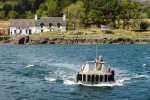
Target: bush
(144, 26)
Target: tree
(2, 15)
(32, 5)
(39, 12)
(21, 6)
(6, 8)
(144, 26)
(43, 7)
(130, 10)
(51, 7)
(13, 15)
(59, 6)
(29, 15)
(44, 14)
(75, 14)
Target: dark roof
(54, 20)
(22, 22)
(32, 22)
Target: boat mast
(96, 52)
(96, 58)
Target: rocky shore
(70, 40)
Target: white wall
(35, 29)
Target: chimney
(64, 17)
(36, 17)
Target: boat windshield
(91, 65)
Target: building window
(50, 25)
(20, 31)
(42, 25)
(26, 31)
(30, 31)
(15, 31)
(58, 25)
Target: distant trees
(80, 13)
(116, 14)
(21, 8)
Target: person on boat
(99, 63)
(100, 59)
(109, 69)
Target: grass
(49, 34)
(4, 24)
(97, 33)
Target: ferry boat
(95, 72)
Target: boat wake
(29, 65)
(119, 82)
(122, 77)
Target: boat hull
(95, 78)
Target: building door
(30, 31)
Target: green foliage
(2, 15)
(13, 15)
(43, 7)
(39, 12)
(75, 14)
(147, 10)
(29, 15)
(80, 13)
(144, 25)
(6, 8)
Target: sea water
(48, 72)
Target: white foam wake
(69, 82)
(30, 65)
(141, 76)
(117, 83)
(50, 79)
(144, 65)
(122, 77)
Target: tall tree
(75, 15)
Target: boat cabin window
(97, 78)
(109, 78)
(93, 78)
(79, 77)
(91, 66)
(105, 78)
(89, 78)
(84, 77)
(101, 78)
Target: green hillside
(27, 8)
(80, 13)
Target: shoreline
(70, 40)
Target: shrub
(144, 26)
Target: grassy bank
(96, 33)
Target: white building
(37, 25)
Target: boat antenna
(96, 51)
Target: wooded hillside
(80, 13)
